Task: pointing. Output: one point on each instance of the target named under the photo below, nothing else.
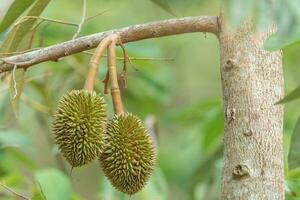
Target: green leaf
(238, 10)
(15, 10)
(20, 38)
(294, 158)
(23, 158)
(192, 113)
(15, 144)
(207, 169)
(164, 4)
(12, 137)
(213, 129)
(287, 17)
(38, 196)
(18, 33)
(279, 41)
(295, 94)
(292, 189)
(156, 188)
(54, 184)
(76, 197)
(293, 174)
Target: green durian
(79, 124)
(129, 155)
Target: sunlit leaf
(76, 197)
(38, 196)
(294, 158)
(164, 4)
(12, 178)
(293, 174)
(191, 113)
(15, 10)
(295, 94)
(292, 189)
(54, 184)
(17, 34)
(20, 38)
(213, 129)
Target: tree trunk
(252, 82)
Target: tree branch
(127, 34)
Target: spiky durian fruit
(79, 125)
(129, 156)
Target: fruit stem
(113, 76)
(94, 63)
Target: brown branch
(127, 34)
(133, 58)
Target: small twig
(25, 18)
(131, 63)
(134, 58)
(13, 192)
(14, 82)
(124, 70)
(42, 192)
(82, 20)
(96, 15)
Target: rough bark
(252, 82)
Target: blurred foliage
(164, 4)
(285, 13)
(184, 95)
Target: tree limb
(127, 34)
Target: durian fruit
(129, 156)
(79, 124)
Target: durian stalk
(94, 63)
(80, 120)
(113, 77)
(128, 158)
